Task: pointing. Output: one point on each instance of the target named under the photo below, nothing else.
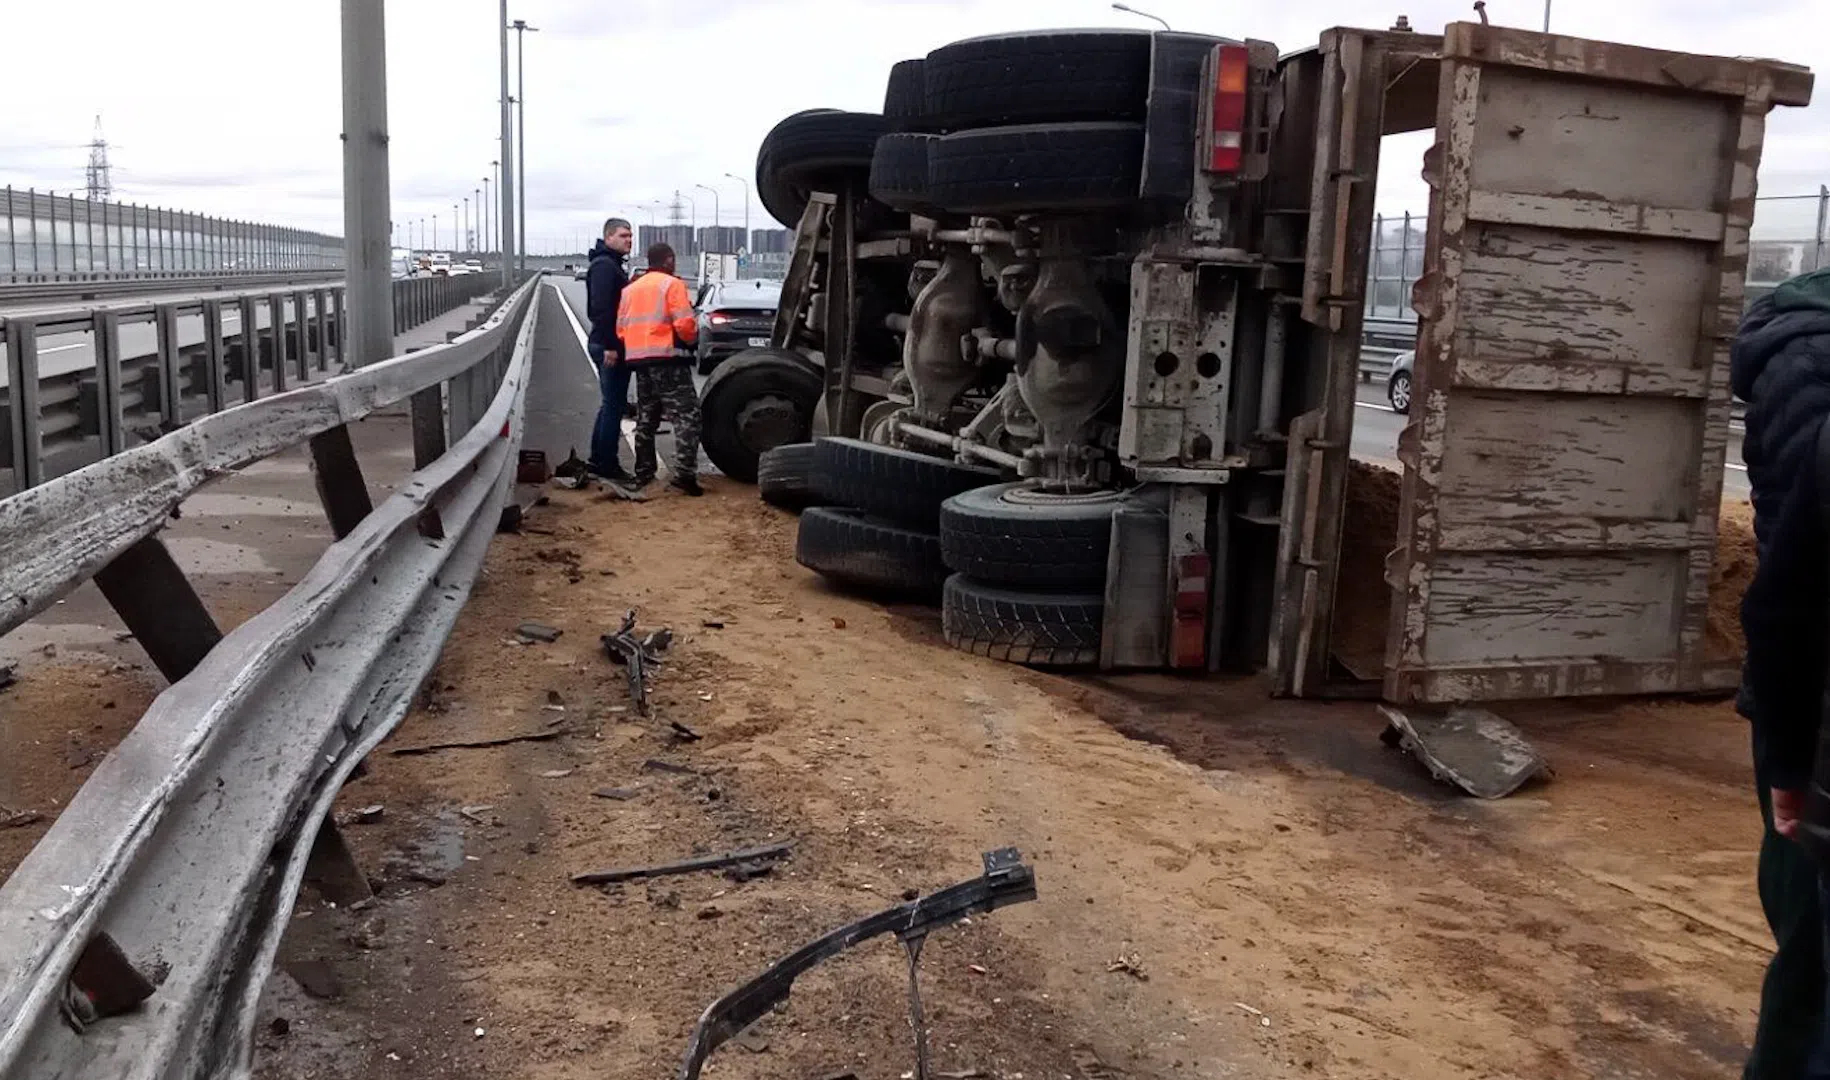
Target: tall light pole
(468, 244)
(486, 234)
(521, 29)
(507, 188)
(1129, 10)
(457, 238)
(746, 209)
(1547, 16)
(715, 214)
(368, 290)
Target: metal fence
(50, 237)
(1784, 244)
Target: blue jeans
(607, 434)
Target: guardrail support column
(338, 475)
(155, 600)
(22, 403)
(428, 426)
(320, 301)
(332, 869)
(106, 330)
(276, 319)
(250, 350)
(171, 404)
(213, 355)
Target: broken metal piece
(637, 657)
(657, 765)
(1006, 881)
(474, 744)
(685, 866)
(1474, 749)
(540, 632)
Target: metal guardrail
(168, 380)
(171, 875)
(99, 286)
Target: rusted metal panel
(1584, 262)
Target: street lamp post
(1129, 10)
(487, 236)
(507, 187)
(521, 29)
(717, 217)
(368, 273)
(746, 209)
(466, 236)
(457, 238)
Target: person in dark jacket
(604, 283)
(1780, 366)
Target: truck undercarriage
(1080, 332)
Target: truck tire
(1040, 629)
(1010, 534)
(1047, 76)
(897, 485)
(1037, 167)
(809, 151)
(899, 171)
(904, 97)
(756, 401)
(784, 475)
(855, 549)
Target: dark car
(734, 316)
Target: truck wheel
(1041, 629)
(854, 549)
(899, 171)
(809, 151)
(784, 475)
(1042, 77)
(1037, 167)
(755, 401)
(904, 97)
(899, 485)
(1012, 534)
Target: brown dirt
(56, 723)
(1302, 902)
(1363, 600)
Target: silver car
(1398, 383)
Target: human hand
(1788, 811)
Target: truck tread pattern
(1035, 546)
(1038, 629)
(807, 147)
(899, 170)
(905, 96)
(852, 548)
(1037, 167)
(784, 476)
(897, 485)
(1046, 76)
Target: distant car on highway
(473, 266)
(581, 273)
(734, 316)
(1398, 383)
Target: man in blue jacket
(1780, 366)
(604, 283)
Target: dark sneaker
(637, 483)
(614, 474)
(687, 485)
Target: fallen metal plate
(1473, 749)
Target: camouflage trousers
(666, 390)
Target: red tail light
(719, 318)
(1226, 137)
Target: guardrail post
(276, 323)
(319, 300)
(301, 335)
(171, 403)
(156, 602)
(428, 426)
(250, 350)
(22, 399)
(342, 327)
(338, 475)
(106, 330)
(332, 869)
(214, 368)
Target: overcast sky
(232, 108)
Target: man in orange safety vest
(658, 327)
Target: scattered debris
(978, 969)
(752, 1040)
(620, 794)
(367, 815)
(1131, 964)
(1005, 881)
(555, 701)
(712, 624)
(682, 732)
(540, 632)
(657, 765)
(50, 650)
(838, 623)
(709, 911)
(1263, 1020)
(18, 819)
(477, 744)
(8, 676)
(474, 814)
(531, 468)
(705, 695)
(963, 1074)
(1473, 749)
(78, 756)
(638, 658)
(684, 866)
(750, 871)
(316, 978)
(555, 774)
(573, 467)
(280, 1027)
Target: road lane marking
(584, 342)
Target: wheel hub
(1031, 496)
(768, 421)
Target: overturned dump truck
(1073, 328)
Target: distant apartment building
(769, 241)
(721, 239)
(678, 237)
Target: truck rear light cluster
(1226, 135)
